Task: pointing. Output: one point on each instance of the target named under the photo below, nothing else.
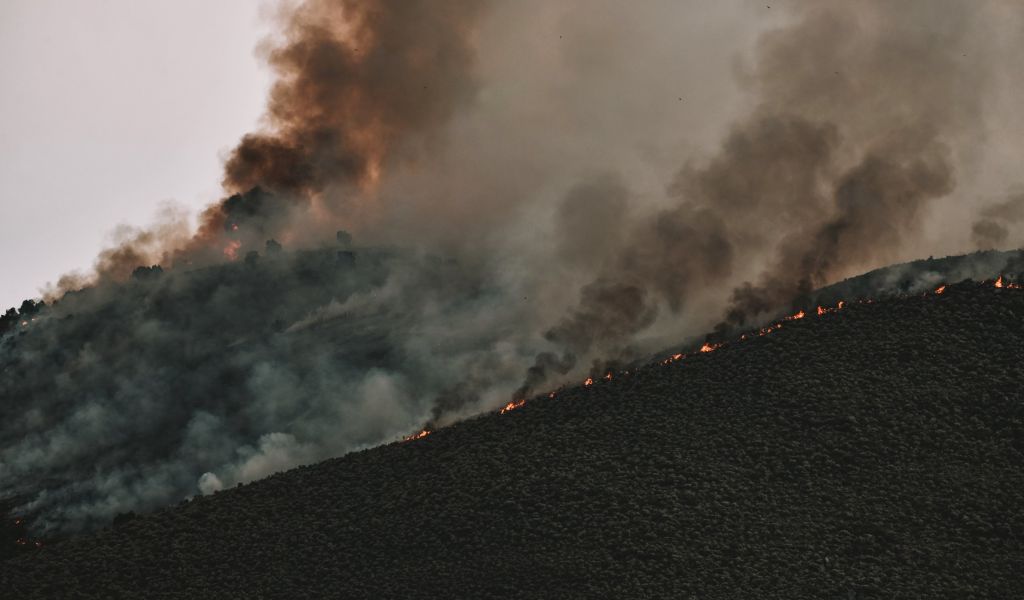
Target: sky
(108, 110)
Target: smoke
(537, 191)
(358, 84)
(993, 228)
(848, 146)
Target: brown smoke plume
(358, 82)
(360, 85)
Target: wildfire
(231, 250)
(673, 358)
(824, 310)
(422, 434)
(709, 347)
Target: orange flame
(940, 289)
(708, 347)
(589, 381)
(416, 436)
(513, 405)
(999, 282)
(798, 315)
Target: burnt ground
(877, 452)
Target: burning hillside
(869, 452)
(521, 222)
(186, 381)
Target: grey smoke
(996, 222)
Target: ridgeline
(873, 452)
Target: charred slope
(866, 453)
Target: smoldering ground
(570, 184)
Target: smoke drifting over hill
(567, 190)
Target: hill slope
(867, 453)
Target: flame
(231, 250)
(513, 405)
(673, 358)
(711, 347)
(422, 434)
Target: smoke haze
(536, 191)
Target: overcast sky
(109, 108)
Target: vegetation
(874, 452)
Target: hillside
(871, 452)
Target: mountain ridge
(868, 452)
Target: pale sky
(109, 108)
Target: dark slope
(121, 397)
(873, 453)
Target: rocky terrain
(875, 451)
